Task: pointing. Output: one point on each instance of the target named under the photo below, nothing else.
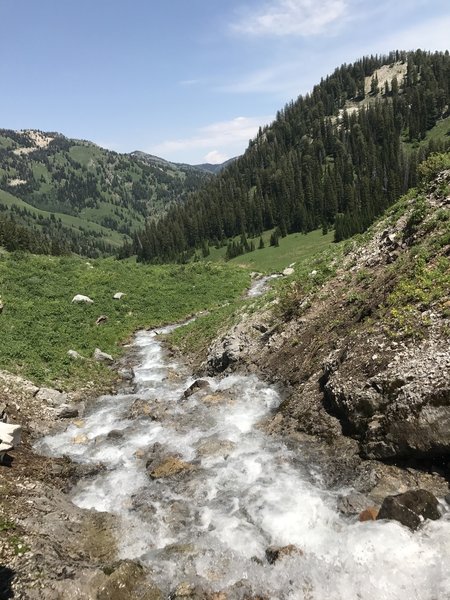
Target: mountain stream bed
(202, 492)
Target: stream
(239, 492)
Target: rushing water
(261, 285)
(212, 524)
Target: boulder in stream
(172, 465)
(127, 580)
(199, 384)
(410, 508)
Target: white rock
(100, 356)
(288, 271)
(118, 296)
(79, 298)
(313, 273)
(75, 355)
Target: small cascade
(202, 493)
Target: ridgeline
(335, 158)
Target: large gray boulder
(52, 397)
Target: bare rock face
(404, 410)
(410, 508)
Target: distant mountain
(216, 168)
(86, 199)
(335, 158)
(150, 159)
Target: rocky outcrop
(402, 410)
(365, 354)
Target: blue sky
(188, 80)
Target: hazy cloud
(431, 34)
(291, 17)
(188, 82)
(220, 135)
(215, 157)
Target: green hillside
(335, 158)
(88, 198)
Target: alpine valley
(233, 381)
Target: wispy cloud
(291, 17)
(283, 79)
(215, 157)
(188, 82)
(216, 137)
(431, 34)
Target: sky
(188, 80)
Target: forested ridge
(336, 157)
(74, 196)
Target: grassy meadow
(270, 259)
(39, 324)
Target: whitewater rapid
(243, 492)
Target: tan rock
(216, 398)
(368, 514)
(170, 467)
(80, 439)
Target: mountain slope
(359, 336)
(336, 157)
(89, 198)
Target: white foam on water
(212, 525)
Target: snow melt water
(212, 524)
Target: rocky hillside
(87, 198)
(361, 339)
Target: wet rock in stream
(411, 508)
